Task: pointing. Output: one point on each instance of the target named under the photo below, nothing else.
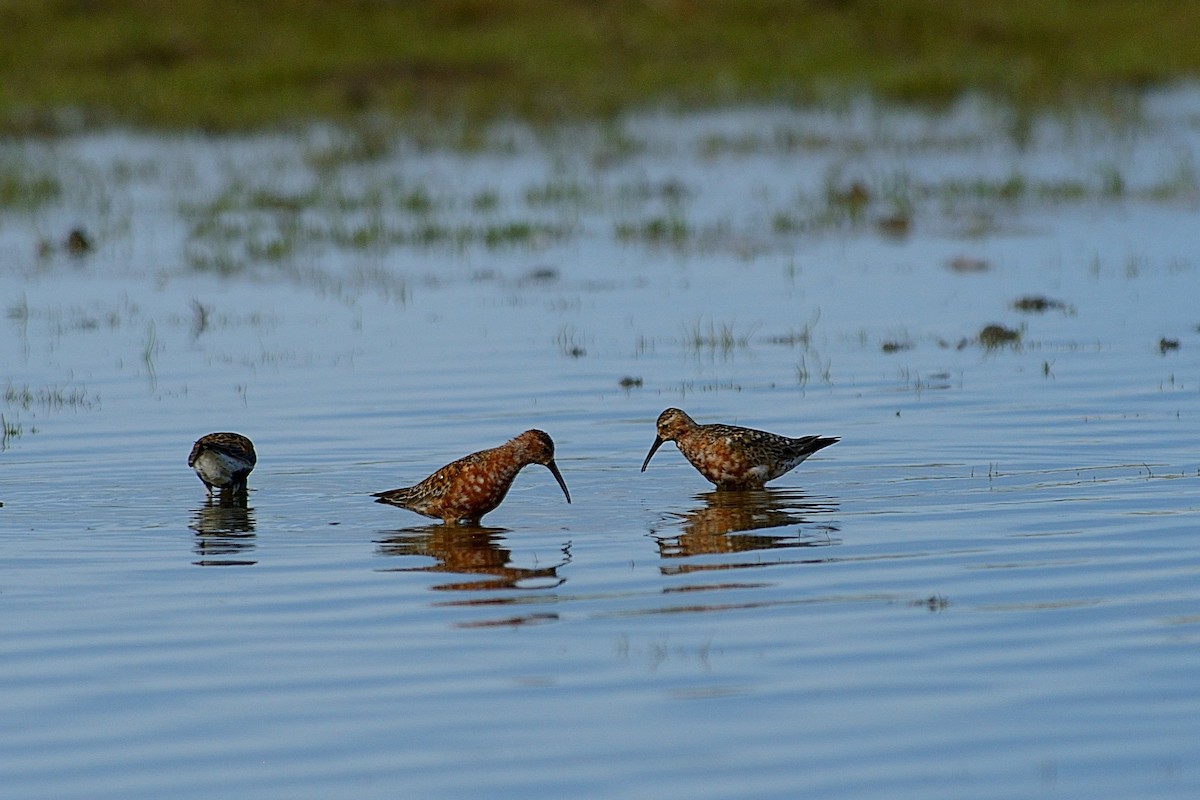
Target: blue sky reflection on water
(987, 588)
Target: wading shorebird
(731, 457)
(463, 491)
(223, 461)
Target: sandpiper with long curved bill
(463, 491)
(732, 457)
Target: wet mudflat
(988, 587)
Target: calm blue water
(989, 588)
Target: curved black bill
(558, 477)
(658, 440)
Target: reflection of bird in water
(718, 525)
(223, 461)
(223, 529)
(468, 551)
(466, 489)
(731, 457)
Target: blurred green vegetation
(242, 64)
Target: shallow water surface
(989, 587)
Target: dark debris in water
(1038, 304)
(1165, 345)
(630, 382)
(935, 602)
(967, 265)
(77, 243)
(896, 225)
(994, 336)
(541, 275)
(895, 347)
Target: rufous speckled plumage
(223, 461)
(732, 457)
(466, 489)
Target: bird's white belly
(761, 472)
(217, 468)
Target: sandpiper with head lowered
(223, 461)
(732, 457)
(463, 491)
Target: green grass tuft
(233, 65)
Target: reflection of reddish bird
(732, 457)
(223, 461)
(465, 490)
